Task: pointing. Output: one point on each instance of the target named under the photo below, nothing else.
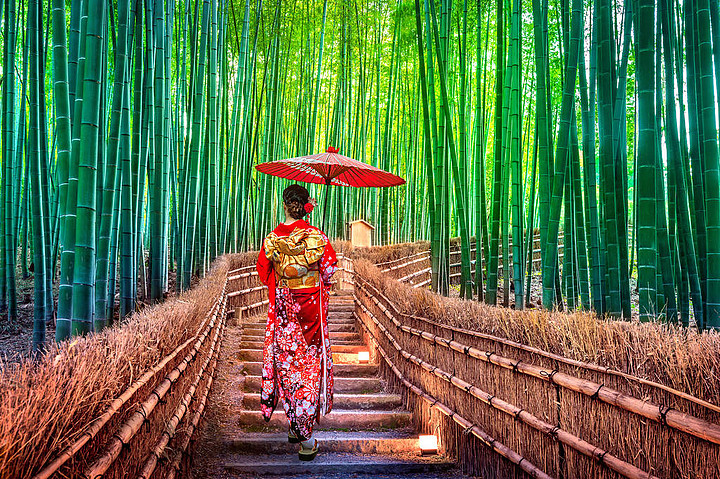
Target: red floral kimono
(296, 263)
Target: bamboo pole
(476, 431)
(96, 426)
(657, 412)
(570, 440)
(172, 424)
(132, 425)
(546, 354)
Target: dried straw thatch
(47, 405)
(638, 355)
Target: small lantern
(428, 445)
(364, 356)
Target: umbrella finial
(332, 149)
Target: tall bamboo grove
(571, 146)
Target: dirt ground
(16, 336)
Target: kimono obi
(296, 257)
(310, 280)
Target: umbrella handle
(327, 195)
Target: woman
(296, 263)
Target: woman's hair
(295, 197)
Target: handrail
(662, 414)
(476, 431)
(570, 440)
(172, 424)
(132, 425)
(96, 426)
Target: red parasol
(330, 168)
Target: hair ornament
(310, 205)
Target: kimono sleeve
(328, 263)
(265, 268)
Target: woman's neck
(289, 220)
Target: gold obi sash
(295, 258)
(310, 280)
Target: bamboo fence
(505, 408)
(565, 417)
(146, 430)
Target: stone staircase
(368, 433)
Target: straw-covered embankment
(106, 401)
(568, 394)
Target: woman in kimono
(296, 263)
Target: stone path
(368, 433)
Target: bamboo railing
(415, 269)
(115, 443)
(506, 409)
(562, 416)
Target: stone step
(259, 323)
(352, 419)
(347, 326)
(348, 291)
(258, 342)
(333, 316)
(342, 385)
(351, 335)
(376, 402)
(347, 336)
(254, 368)
(337, 344)
(346, 464)
(361, 442)
(342, 354)
(338, 308)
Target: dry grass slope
(684, 360)
(46, 404)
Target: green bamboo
(562, 154)
(8, 158)
(85, 235)
(34, 159)
(711, 163)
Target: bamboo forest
(570, 145)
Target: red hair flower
(310, 205)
